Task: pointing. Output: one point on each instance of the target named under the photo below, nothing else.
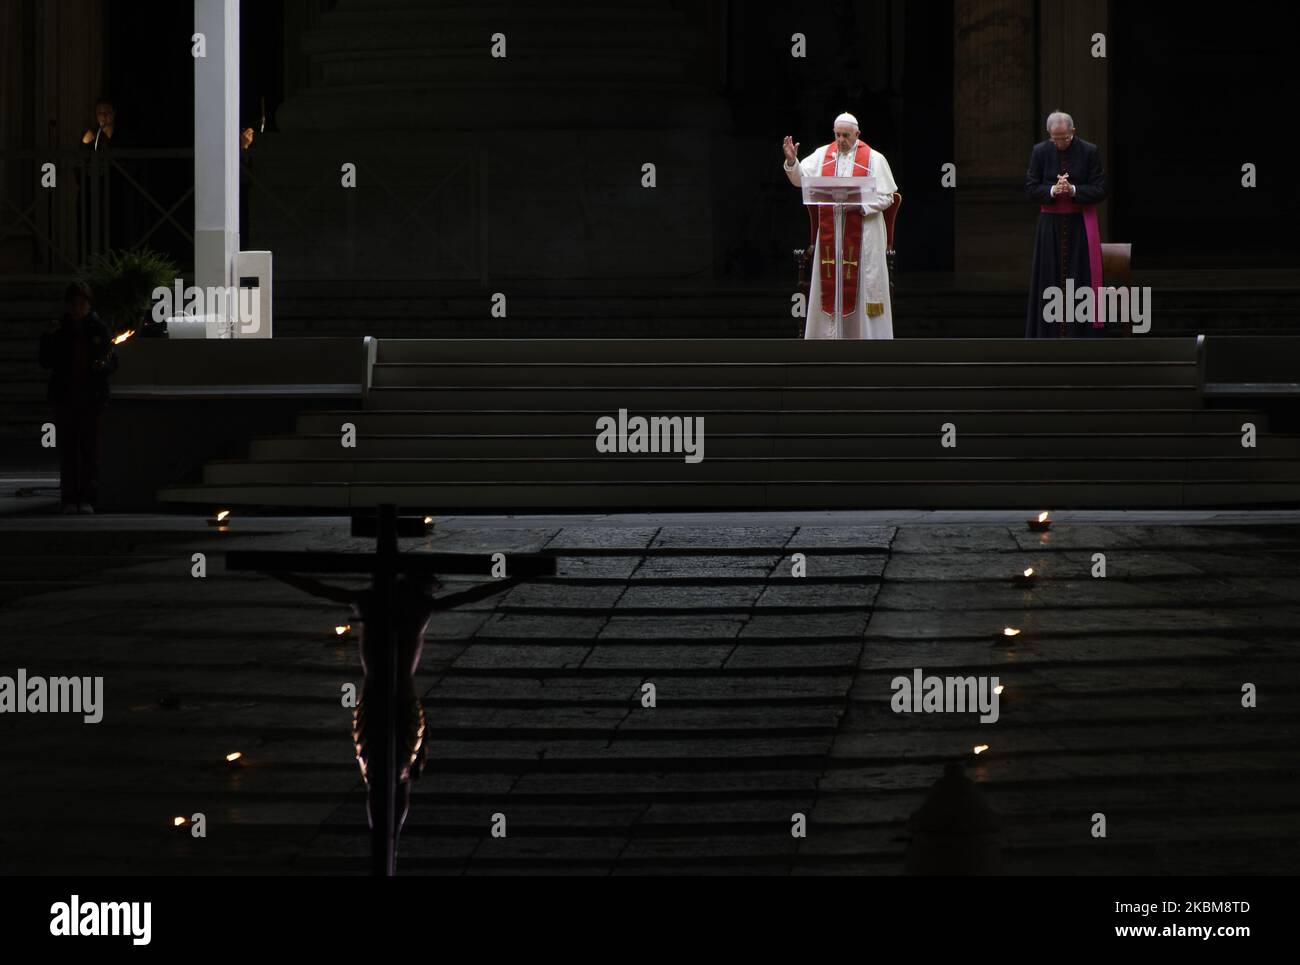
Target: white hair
(1056, 117)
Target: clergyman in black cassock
(1061, 246)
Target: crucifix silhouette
(388, 728)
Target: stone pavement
(1123, 696)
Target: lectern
(841, 194)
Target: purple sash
(1065, 205)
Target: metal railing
(110, 198)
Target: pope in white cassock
(867, 310)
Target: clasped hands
(1062, 185)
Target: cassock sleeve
(1093, 188)
(1037, 189)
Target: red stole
(851, 237)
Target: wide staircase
(505, 426)
(927, 307)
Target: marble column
(994, 120)
(216, 145)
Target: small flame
(1010, 632)
(1029, 572)
(999, 688)
(342, 628)
(980, 748)
(124, 336)
(1042, 517)
(428, 520)
(177, 822)
(221, 516)
(234, 756)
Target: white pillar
(216, 145)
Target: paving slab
(772, 694)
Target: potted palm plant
(123, 282)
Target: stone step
(816, 352)
(770, 422)
(395, 300)
(23, 420)
(20, 351)
(534, 297)
(680, 327)
(430, 321)
(782, 374)
(765, 325)
(20, 314)
(432, 311)
(823, 494)
(537, 309)
(894, 445)
(22, 384)
(675, 469)
(693, 400)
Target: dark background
(1192, 101)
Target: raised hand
(790, 148)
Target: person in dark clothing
(1066, 180)
(79, 350)
(106, 121)
(106, 185)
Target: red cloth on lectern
(851, 236)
